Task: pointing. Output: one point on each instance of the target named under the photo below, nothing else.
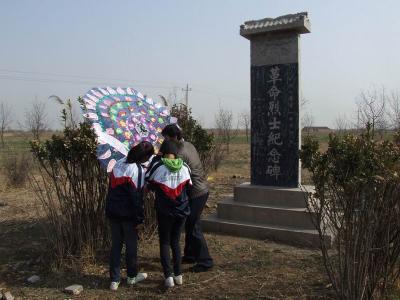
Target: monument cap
(298, 23)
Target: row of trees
(378, 107)
(35, 119)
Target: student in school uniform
(170, 178)
(124, 208)
(196, 250)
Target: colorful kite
(121, 118)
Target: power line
(94, 83)
(85, 80)
(85, 77)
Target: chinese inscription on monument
(275, 114)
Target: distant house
(316, 129)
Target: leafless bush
(36, 119)
(16, 168)
(72, 188)
(307, 122)
(372, 109)
(224, 127)
(5, 120)
(394, 110)
(217, 155)
(245, 122)
(342, 124)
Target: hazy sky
(66, 47)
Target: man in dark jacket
(196, 250)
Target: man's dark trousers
(195, 244)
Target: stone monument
(272, 205)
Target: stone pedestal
(272, 206)
(262, 212)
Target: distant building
(316, 129)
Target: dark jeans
(169, 233)
(195, 244)
(123, 232)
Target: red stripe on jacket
(116, 181)
(170, 192)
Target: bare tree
(5, 120)
(36, 119)
(303, 103)
(307, 122)
(307, 118)
(371, 110)
(245, 122)
(342, 124)
(224, 126)
(393, 110)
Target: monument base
(263, 212)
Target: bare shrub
(217, 155)
(307, 122)
(245, 122)
(5, 120)
(394, 110)
(342, 124)
(72, 188)
(16, 168)
(36, 119)
(356, 199)
(372, 109)
(224, 127)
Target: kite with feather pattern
(121, 118)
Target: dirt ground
(244, 268)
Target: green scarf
(174, 165)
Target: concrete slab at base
(287, 235)
(262, 214)
(271, 196)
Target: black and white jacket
(125, 192)
(171, 188)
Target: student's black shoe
(199, 269)
(188, 260)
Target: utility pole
(187, 90)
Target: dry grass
(245, 268)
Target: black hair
(140, 153)
(169, 147)
(172, 131)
